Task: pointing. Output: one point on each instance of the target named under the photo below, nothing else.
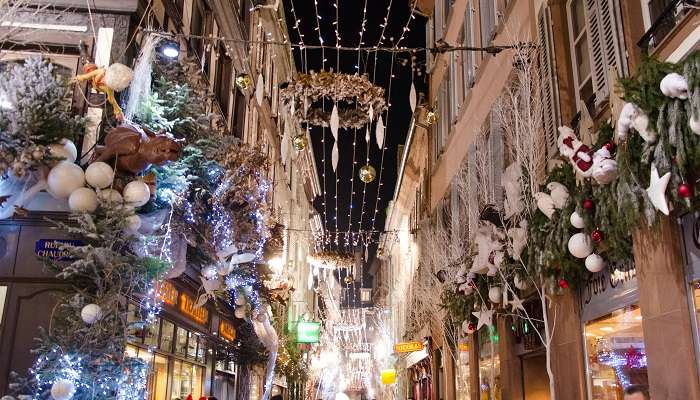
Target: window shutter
(487, 14)
(455, 214)
(604, 44)
(496, 152)
(468, 60)
(473, 196)
(548, 81)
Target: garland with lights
(361, 98)
(332, 259)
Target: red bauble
(588, 204)
(610, 146)
(597, 235)
(471, 326)
(563, 283)
(684, 190)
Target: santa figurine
(579, 154)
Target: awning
(415, 357)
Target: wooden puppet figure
(108, 80)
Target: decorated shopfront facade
(563, 234)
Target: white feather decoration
(371, 113)
(412, 97)
(292, 106)
(335, 121)
(260, 90)
(367, 134)
(380, 132)
(334, 156)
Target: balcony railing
(670, 16)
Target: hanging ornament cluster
(581, 245)
(353, 95)
(599, 165)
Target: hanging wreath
(332, 259)
(357, 99)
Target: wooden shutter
(604, 44)
(548, 82)
(496, 152)
(487, 14)
(468, 56)
(473, 195)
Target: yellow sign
(227, 330)
(408, 347)
(388, 376)
(463, 347)
(166, 292)
(188, 308)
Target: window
(489, 364)
(222, 82)
(468, 56)
(181, 341)
(549, 87)
(166, 338)
(462, 372)
(616, 354)
(187, 380)
(595, 47)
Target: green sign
(308, 332)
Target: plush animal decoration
(136, 149)
(604, 166)
(579, 154)
(518, 237)
(559, 194)
(108, 80)
(488, 239)
(632, 117)
(674, 85)
(510, 180)
(545, 204)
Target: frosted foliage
(140, 88)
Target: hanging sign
(189, 309)
(52, 248)
(308, 332)
(227, 330)
(408, 347)
(166, 292)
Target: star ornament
(516, 304)
(485, 318)
(657, 189)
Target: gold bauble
(367, 173)
(299, 142)
(348, 279)
(243, 81)
(431, 118)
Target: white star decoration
(516, 304)
(657, 189)
(485, 318)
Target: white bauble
(240, 299)
(65, 150)
(83, 200)
(109, 196)
(674, 85)
(239, 312)
(520, 283)
(118, 77)
(8, 397)
(495, 294)
(136, 193)
(65, 178)
(209, 272)
(224, 268)
(133, 223)
(595, 263)
(62, 389)
(261, 317)
(580, 245)
(91, 313)
(99, 175)
(694, 125)
(577, 220)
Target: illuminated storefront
(489, 364)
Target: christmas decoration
(657, 189)
(520, 283)
(674, 85)
(685, 191)
(595, 263)
(109, 196)
(510, 180)
(83, 200)
(516, 304)
(588, 204)
(331, 259)
(240, 312)
(260, 90)
(577, 221)
(495, 294)
(597, 235)
(133, 224)
(558, 193)
(243, 81)
(299, 142)
(65, 150)
(563, 283)
(354, 95)
(604, 166)
(579, 154)
(367, 173)
(65, 178)
(91, 313)
(136, 193)
(431, 117)
(485, 318)
(62, 389)
(136, 148)
(580, 245)
(545, 204)
(348, 279)
(99, 175)
(100, 78)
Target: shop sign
(463, 346)
(408, 347)
(608, 290)
(227, 330)
(188, 307)
(308, 332)
(52, 249)
(166, 292)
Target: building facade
(648, 308)
(192, 349)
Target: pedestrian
(637, 392)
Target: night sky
(350, 22)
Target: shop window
(191, 345)
(151, 334)
(158, 380)
(489, 364)
(166, 337)
(187, 380)
(462, 372)
(181, 341)
(615, 353)
(201, 350)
